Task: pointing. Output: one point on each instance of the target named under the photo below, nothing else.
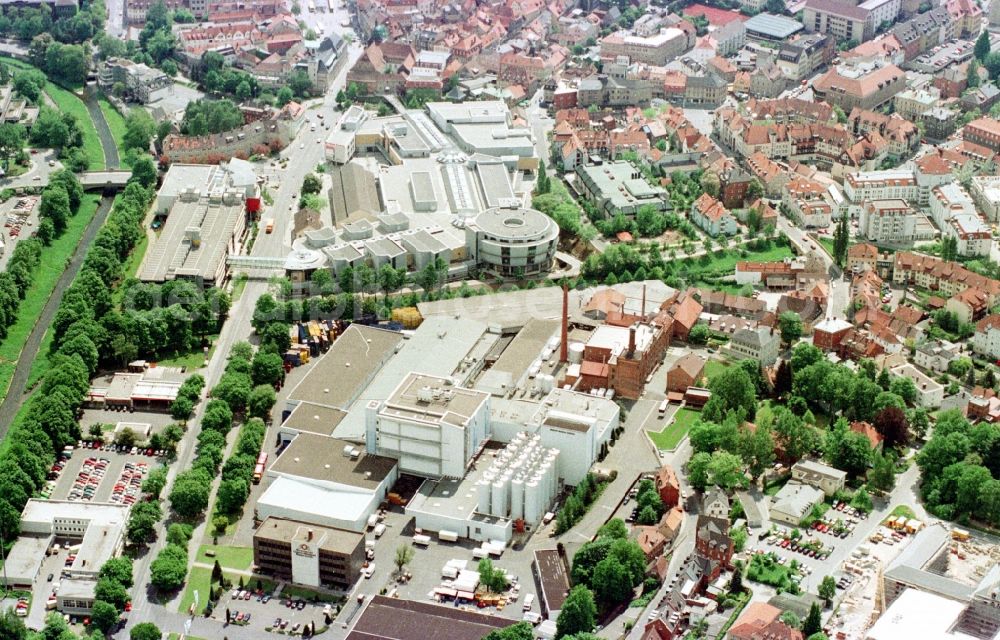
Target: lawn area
(67, 102)
(827, 243)
(901, 510)
(199, 579)
(714, 368)
(673, 433)
(116, 122)
(53, 263)
(131, 266)
(194, 359)
(774, 486)
(766, 570)
(727, 262)
(229, 557)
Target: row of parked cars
(100, 445)
(88, 479)
(129, 486)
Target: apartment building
(842, 19)
(986, 340)
(864, 84)
(888, 222)
(800, 57)
(761, 344)
(984, 132)
(656, 49)
(985, 192)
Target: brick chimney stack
(631, 340)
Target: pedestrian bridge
(255, 262)
(104, 179)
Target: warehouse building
(98, 529)
(395, 619)
(429, 425)
(308, 554)
(327, 482)
(206, 219)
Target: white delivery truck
(528, 601)
(372, 521)
(421, 540)
(479, 553)
(379, 530)
(447, 536)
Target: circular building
(512, 241)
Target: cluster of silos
(522, 481)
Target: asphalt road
(38, 174)
(305, 152)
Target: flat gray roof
(385, 246)
(394, 619)
(495, 181)
(526, 347)
(329, 538)
(340, 375)
(423, 187)
(450, 404)
(773, 25)
(175, 254)
(436, 348)
(321, 458)
(514, 224)
(314, 418)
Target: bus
(258, 470)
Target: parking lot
(812, 547)
(428, 562)
(100, 475)
(261, 609)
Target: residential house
(668, 486)
(715, 504)
(869, 432)
(686, 372)
(986, 340)
(712, 217)
(934, 355)
(819, 475)
(761, 344)
(930, 394)
(761, 621)
(712, 540)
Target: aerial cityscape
(500, 319)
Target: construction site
(942, 562)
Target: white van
(379, 530)
(479, 553)
(528, 601)
(420, 539)
(663, 406)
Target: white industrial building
(329, 482)
(520, 483)
(432, 427)
(97, 530)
